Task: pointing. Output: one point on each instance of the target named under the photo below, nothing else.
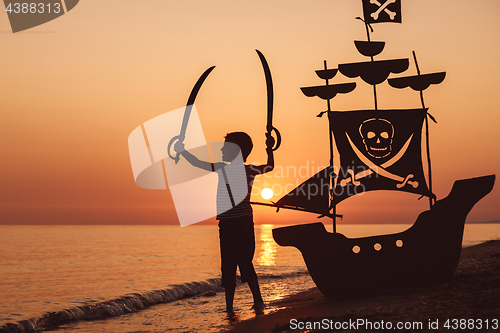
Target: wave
(128, 303)
(115, 307)
(282, 275)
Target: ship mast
(372, 72)
(367, 25)
(327, 92)
(427, 144)
(419, 83)
(332, 180)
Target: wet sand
(472, 294)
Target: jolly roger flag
(377, 11)
(379, 150)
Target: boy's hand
(179, 147)
(269, 141)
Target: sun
(267, 193)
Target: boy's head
(243, 140)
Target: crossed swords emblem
(379, 169)
(383, 7)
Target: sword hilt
(177, 155)
(278, 137)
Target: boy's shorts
(237, 247)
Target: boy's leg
(248, 274)
(258, 302)
(254, 288)
(247, 270)
(229, 291)
(228, 264)
(229, 282)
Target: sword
(385, 165)
(187, 113)
(380, 169)
(270, 98)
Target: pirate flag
(379, 151)
(377, 11)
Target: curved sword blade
(187, 113)
(270, 90)
(398, 156)
(385, 165)
(379, 169)
(190, 102)
(270, 99)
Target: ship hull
(428, 251)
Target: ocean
(70, 274)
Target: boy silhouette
(236, 230)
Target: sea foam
(115, 307)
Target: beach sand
(472, 293)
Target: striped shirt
(234, 189)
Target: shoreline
(472, 293)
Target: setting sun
(267, 193)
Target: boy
(236, 231)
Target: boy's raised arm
(269, 166)
(179, 148)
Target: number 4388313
(33, 8)
(471, 324)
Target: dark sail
(311, 196)
(329, 91)
(327, 74)
(417, 82)
(379, 151)
(369, 48)
(374, 72)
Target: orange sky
(73, 89)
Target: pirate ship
(380, 149)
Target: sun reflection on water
(276, 291)
(267, 250)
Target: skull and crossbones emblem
(383, 7)
(377, 135)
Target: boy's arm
(179, 148)
(269, 166)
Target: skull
(377, 136)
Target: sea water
(47, 269)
